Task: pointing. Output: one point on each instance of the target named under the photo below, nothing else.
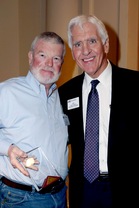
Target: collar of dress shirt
(103, 78)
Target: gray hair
(49, 36)
(80, 20)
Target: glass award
(46, 174)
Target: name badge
(73, 103)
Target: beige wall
(32, 21)
(9, 39)
(133, 35)
(129, 33)
(22, 20)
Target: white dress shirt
(104, 91)
(29, 118)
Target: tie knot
(94, 83)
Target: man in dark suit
(118, 90)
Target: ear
(106, 46)
(30, 57)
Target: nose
(86, 48)
(49, 62)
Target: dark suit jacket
(123, 151)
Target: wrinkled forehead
(85, 31)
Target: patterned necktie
(91, 153)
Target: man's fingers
(20, 160)
(18, 164)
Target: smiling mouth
(88, 59)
